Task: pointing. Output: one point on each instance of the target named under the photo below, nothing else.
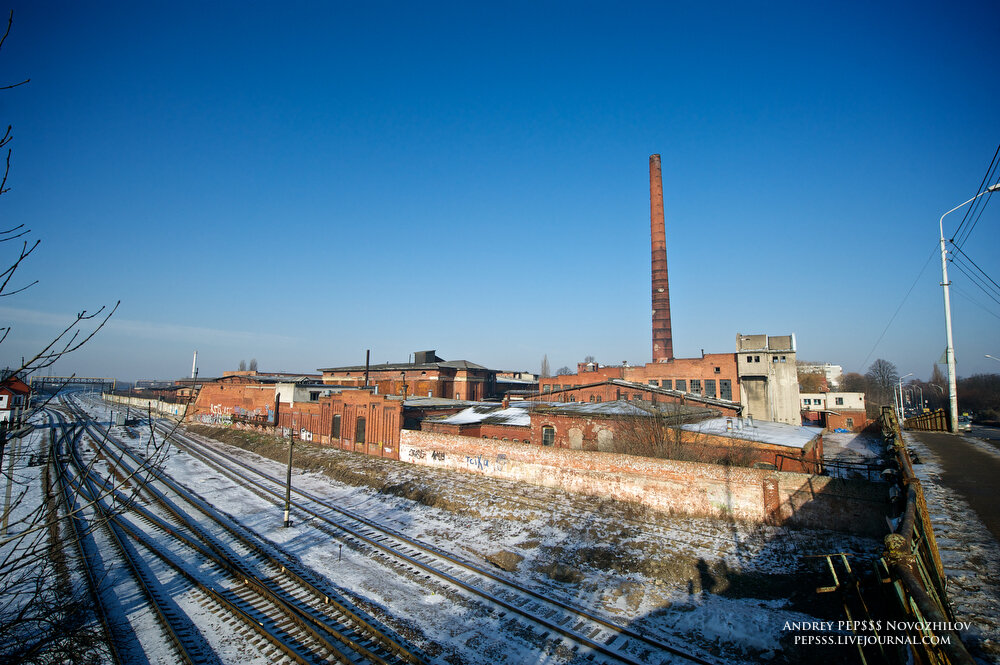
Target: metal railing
(910, 570)
(935, 421)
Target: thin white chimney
(194, 366)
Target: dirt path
(972, 473)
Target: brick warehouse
(427, 376)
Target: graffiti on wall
(483, 463)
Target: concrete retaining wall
(144, 403)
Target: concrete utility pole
(288, 481)
(950, 348)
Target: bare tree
(253, 364)
(852, 382)
(545, 371)
(243, 366)
(563, 371)
(659, 431)
(43, 617)
(881, 377)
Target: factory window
(313, 395)
(749, 359)
(682, 385)
(637, 396)
(718, 370)
(546, 388)
(840, 401)
(696, 386)
(782, 358)
(335, 427)
(756, 359)
(710, 387)
(592, 397)
(572, 398)
(668, 384)
(774, 359)
(548, 435)
(359, 430)
(726, 389)
(850, 423)
(504, 439)
(597, 398)
(654, 382)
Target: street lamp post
(899, 408)
(950, 348)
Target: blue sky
(298, 182)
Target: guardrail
(935, 421)
(910, 570)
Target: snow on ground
(727, 588)
(969, 553)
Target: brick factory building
(690, 432)
(835, 410)
(427, 376)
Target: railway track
(548, 619)
(170, 538)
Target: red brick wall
(383, 417)
(222, 400)
(606, 392)
(684, 488)
(679, 368)
(839, 420)
(690, 368)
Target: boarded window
(335, 427)
(548, 435)
(359, 430)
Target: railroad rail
(158, 525)
(579, 627)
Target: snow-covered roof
(441, 402)
(492, 415)
(765, 431)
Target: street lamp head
(993, 188)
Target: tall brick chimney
(663, 344)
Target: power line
(975, 265)
(977, 284)
(902, 302)
(986, 178)
(975, 302)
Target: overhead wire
(974, 301)
(995, 297)
(986, 178)
(901, 303)
(966, 257)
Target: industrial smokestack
(663, 344)
(194, 366)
